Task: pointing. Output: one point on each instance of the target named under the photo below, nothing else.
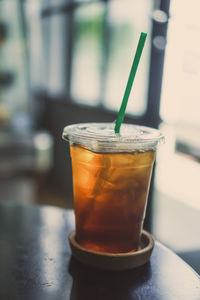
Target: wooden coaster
(116, 261)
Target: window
(126, 20)
(88, 53)
(181, 93)
(177, 205)
(91, 48)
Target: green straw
(134, 67)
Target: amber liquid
(110, 195)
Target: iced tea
(110, 196)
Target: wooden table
(36, 263)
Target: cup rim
(101, 135)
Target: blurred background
(65, 61)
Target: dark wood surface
(36, 263)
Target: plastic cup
(111, 178)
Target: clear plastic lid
(101, 137)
